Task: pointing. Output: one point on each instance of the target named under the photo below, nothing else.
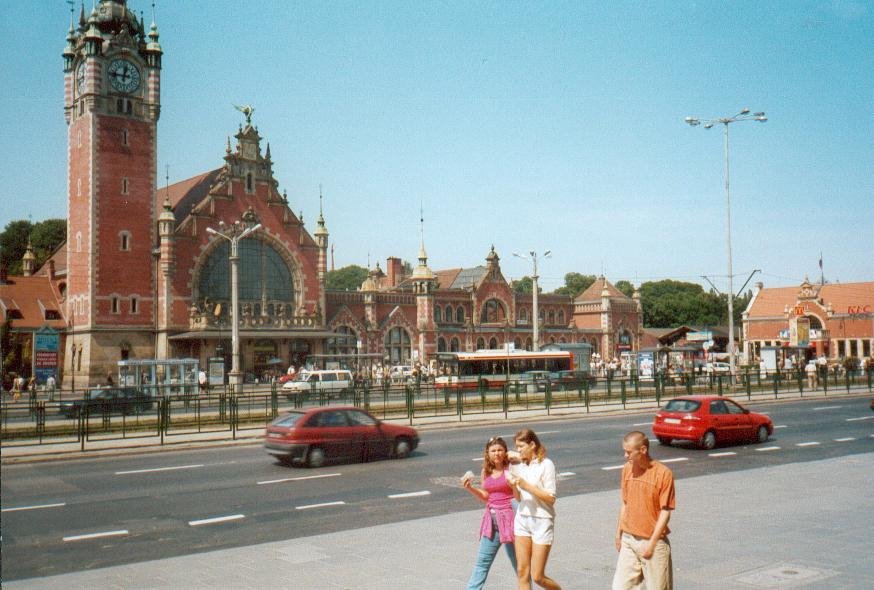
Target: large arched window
(448, 314)
(438, 314)
(459, 315)
(441, 344)
(493, 344)
(263, 274)
(551, 317)
(561, 317)
(397, 346)
(480, 344)
(453, 345)
(345, 342)
(493, 312)
(523, 315)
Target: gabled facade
(840, 317)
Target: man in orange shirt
(647, 490)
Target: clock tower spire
(112, 69)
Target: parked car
(333, 382)
(311, 437)
(708, 420)
(125, 400)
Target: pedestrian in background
(534, 480)
(647, 490)
(496, 526)
(51, 384)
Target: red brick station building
(140, 275)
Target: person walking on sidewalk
(496, 527)
(534, 480)
(647, 490)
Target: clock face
(123, 75)
(80, 78)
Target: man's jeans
(488, 548)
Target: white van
(328, 382)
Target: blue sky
(527, 125)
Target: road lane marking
(410, 494)
(674, 460)
(724, 454)
(781, 426)
(846, 439)
(96, 535)
(807, 444)
(323, 505)
(36, 507)
(763, 449)
(862, 418)
(566, 474)
(643, 423)
(158, 469)
(548, 432)
(827, 408)
(216, 520)
(301, 478)
(612, 467)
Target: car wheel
(708, 441)
(315, 457)
(402, 448)
(664, 440)
(762, 434)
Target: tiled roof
(31, 298)
(468, 276)
(186, 194)
(771, 302)
(593, 293)
(445, 278)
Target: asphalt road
(69, 516)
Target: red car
(708, 420)
(313, 436)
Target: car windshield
(288, 420)
(682, 405)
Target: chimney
(759, 286)
(51, 269)
(395, 269)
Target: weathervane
(247, 110)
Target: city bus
(461, 370)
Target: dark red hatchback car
(313, 436)
(708, 420)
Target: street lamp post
(532, 256)
(233, 234)
(744, 115)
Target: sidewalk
(802, 525)
(26, 453)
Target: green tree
(575, 283)
(523, 286)
(625, 287)
(348, 278)
(668, 303)
(45, 237)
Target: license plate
(672, 420)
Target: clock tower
(112, 68)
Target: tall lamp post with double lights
(233, 234)
(532, 257)
(744, 115)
